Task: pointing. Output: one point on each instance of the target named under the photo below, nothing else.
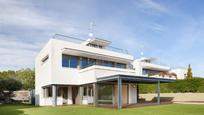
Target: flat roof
(134, 79)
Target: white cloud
(24, 14)
(158, 27)
(20, 13)
(151, 6)
(17, 52)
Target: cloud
(150, 6)
(21, 13)
(156, 27)
(16, 54)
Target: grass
(171, 109)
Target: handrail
(79, 41)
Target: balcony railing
(89, 65)
(80, 41)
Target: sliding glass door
(105, 94)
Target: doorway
(75, 96)
(65, 94)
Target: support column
(95, 89)
(158, 92)
(137, 86)
(81, 92)
(119, 93)
(54, 95)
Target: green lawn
(171, 109)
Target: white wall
(132, 94)
(181, 73)
(42, 72)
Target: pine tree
(189, 73)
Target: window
(108, 63)
(84, 62)
(73, 62)
(65, 61)
(69, 61)
(105, 93)
(85, 91)
(120, 65)
(149, 72)
(92, 62)
(44, 59)
(47, 92)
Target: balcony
(154, 66)
(91, 73)
(165, 75)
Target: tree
(189, 73)
(27, 77)
(7, 86)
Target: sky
(172, 31)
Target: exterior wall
(42, 72)
(87, 99)
(132, 94)
(89, 75)
(139, 66)
(181, 73)
(184, 97)
(124, 94)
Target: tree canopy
(25, 76)
(189, 73)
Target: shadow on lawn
(14, 109)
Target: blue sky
(170, 30)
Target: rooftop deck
(82, 41)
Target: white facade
(181, 73)
(50, 71)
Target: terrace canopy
(132, 79)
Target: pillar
(119, 93)
(137, 87)
(81, 93)
(54, 95)
(95, 89)
(158, 92)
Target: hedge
(180, 86)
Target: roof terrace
(92, 42)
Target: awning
(134, 79)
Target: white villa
(76, 71)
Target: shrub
(180, 86)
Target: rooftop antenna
(91, 29)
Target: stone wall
(175, 97)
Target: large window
(92, 62)
(149, 72)
(69, 61)
(108, 63)
(105, 93)
(83, 62)
(73, 62)
(65, 61)
(120, 65)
